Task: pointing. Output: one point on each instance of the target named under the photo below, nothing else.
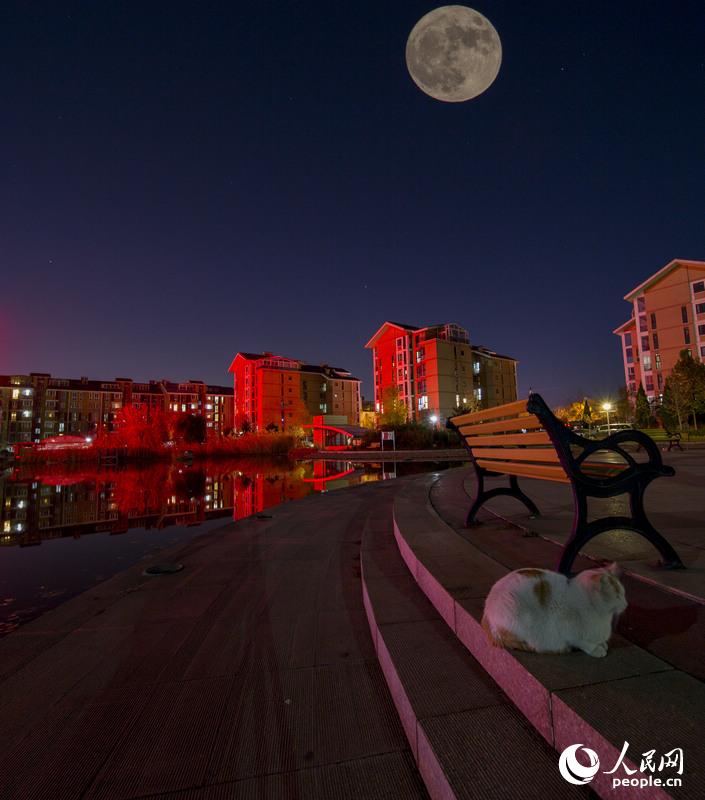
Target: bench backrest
(509, 440)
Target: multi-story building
(35, 406)
(272, 390)
(668, 315)
(494, 377)
(435, 370)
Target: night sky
(180, 181)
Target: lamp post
(607, 407)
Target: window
(659, 380)
(699, 309)
(701, 330)
(627, 339)
(699, 287)
(646, 361)
(630, 372)
(702, 351)
(649, 383)
(629, 352)
(644, 344)
(657, 360)
(653, 320)
(419, 355)
(640, 303)
(684, 313)
(423, 402)
(655, 341)
(475, 367)
(686, 335)
(642, 323)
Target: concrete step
(659, 619)
(630, 695)
(468, 740)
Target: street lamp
(607, 407)
(433, 419)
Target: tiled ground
(251, 673)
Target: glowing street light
(433, 419)
(607, 407)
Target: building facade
(282, 392)
(36, 406)
(435, 369)
(667, 316)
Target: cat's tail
(505, 638)
(489, 633)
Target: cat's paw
(597, 651)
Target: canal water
(65, 529)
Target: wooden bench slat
(540, 437)
(538, 471)
(507, 410)
(540, 454)
(529, 423)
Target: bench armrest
(614, 442)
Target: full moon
(453, 53)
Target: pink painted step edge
(551, 717)
(427, 762)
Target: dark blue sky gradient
(180, 181)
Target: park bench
(525, 440)
(665, 435)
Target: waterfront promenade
(253, 673)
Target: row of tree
(682, 403)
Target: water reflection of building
(49, 506)
(35, 406)
(65, 502)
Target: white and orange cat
(545, 612)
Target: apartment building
(494, 377)
(667, 316)
(435, 369)
(274, 390)
(36, 406)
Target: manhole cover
(163, 569)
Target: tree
(586, 414)
(191, 428)
(136, 428)
(395, 412)
(684, 393)
(624, 405)
(642, 414)
(468, 407)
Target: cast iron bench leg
(482, 496)
(584, 531)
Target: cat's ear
(614, 569)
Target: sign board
(388, 436)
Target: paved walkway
(251, 673)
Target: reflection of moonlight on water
(453, 53)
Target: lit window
(423, 402)
(476, 367)
(15, 394)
